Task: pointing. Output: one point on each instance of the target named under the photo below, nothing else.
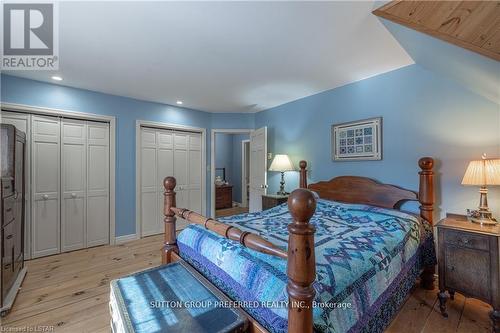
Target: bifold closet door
(195, 170)
(156, 164)
(97, 183)
(149, 187)
(166, 153)
(73, 176)
(45, 186)
(165, 168)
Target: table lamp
(281, 163)
(485, 172)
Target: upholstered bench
(171, 298)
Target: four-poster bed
(295, 253)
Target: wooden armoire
(12, 151)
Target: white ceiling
(221, 56)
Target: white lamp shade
(482, 173)
(281, 163)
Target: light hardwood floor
(231, 211)
(70, 292)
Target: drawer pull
(451, 268)
(465, 240)
(8, 210)
(8, 236)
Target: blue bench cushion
(170, 298)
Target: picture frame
(357, 140)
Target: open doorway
(230, 172)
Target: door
(194, 175)
(165, 168)
(181, 173)
(73, 184)
(97, 213)
(148, 182)
(23, 123)
(258, 168)
(168, 153)
(46, 184)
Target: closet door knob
(45, 197)
(73, 195)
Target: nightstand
(273, 200)
(469, 262)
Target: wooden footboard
(301, 266)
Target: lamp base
(484, 215)
(485, 220)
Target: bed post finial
(301, 268)
(170, 241)
(426, 199)
(303, 174)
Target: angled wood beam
(473, 25)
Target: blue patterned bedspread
(360, 252)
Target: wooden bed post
(170, 242)
(426, 199)
(303, 174)
(301, 266)
(426, 189)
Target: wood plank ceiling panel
(474, 25)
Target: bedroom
(358, 88)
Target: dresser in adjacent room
(13, 151)
(223, 196)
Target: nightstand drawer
(474, 277)
(464, 239)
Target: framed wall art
(357, 140)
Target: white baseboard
(125, 238)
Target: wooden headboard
(355, 189)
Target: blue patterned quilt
(360, 252)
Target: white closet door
(195, 169)
(165, 168)
(46, 174)
(97, 183)
(22, 121)
(149, 201)
(181, 168)
(73, 178)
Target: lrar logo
(30, 36)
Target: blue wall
(228, 155)
(224, 154)
(423, 115)
(126, 111)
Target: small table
(171, 298)
(469, 262)
(273, 200)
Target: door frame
(244, 184)
(36, 110)
(166, 126)
(212, 160)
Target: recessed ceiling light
(57, 78)
(179, 102)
